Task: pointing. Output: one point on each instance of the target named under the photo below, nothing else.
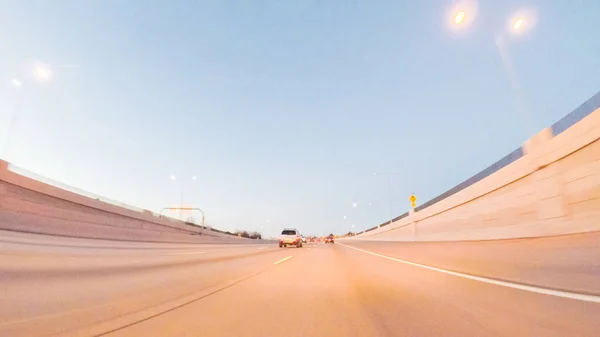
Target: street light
(522, 20)
(459, 17)
(462, 14)
(42, 73)
(518, 24)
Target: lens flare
(459, 17)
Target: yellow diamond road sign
(413, 200)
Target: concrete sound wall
(553, 189)
(29, 205)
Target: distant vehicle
(330, 239)
(304, 239)
(290, 236)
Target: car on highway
(290, 237)
(330, 238)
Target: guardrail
(576, 115)
(560, 126)
(32, 175)
(31, 181)
(399, 217)
(495, 167)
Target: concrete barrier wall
(29, 205)
(553, 189)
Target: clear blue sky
(283, 110)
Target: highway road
(51, 286)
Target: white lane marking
(283, 260)
(533, 289)
(261, 247)
(186, 253)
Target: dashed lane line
(283, 260)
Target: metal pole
(515, 84)
(12, 124)
(181, 201)
(390, 197)
(161, 212)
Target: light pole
(354, 205)
(263, 226)
(516, 26)
(18, 86)
(389, 184)
(174, 178)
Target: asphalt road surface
(68, 287)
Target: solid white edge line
(283, 260)
(533, 289)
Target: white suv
(290, 236)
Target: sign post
(182, 209)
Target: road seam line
(186, 253)
(283, 260)
(533, 289)
(173, 308)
